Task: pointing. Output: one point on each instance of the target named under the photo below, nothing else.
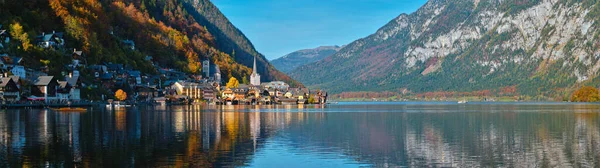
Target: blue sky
(278, 27)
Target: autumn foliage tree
(120, 95)
(233, 83)
(586, 94)
(17, 32)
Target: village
(84, 85)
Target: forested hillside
(176, 33)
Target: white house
(50, 40)
(190, 89)
(75, 92)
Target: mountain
(540, 47)
(230, 38)
(289, 62)
(178, 34)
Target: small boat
(70, 109)
(462, 102)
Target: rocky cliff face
(541, 46)
(295, 59)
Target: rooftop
(43, 80)
(4, 81)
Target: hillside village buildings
(20, 83)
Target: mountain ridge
(294, 59)
(470, 45)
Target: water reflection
(416, 135)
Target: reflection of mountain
(455, 139)
(192, 136)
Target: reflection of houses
(50, 40)
(45, 86)
(9, 90)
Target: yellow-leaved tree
(233, 83)
(120, 95)
(586, 94)
(17, 32)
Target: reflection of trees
(182, 136)
(199, 137)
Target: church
(254, 77)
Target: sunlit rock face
(470, 44)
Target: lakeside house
(63, 91)
(46, 87)
(146, 93)
(228, 96)
(9, 90)
(75, 83)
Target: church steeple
(254, 77)
(254, 66)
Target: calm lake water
(342, 135)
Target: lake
(412, 134)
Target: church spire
(254, 67)
(254, 77)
